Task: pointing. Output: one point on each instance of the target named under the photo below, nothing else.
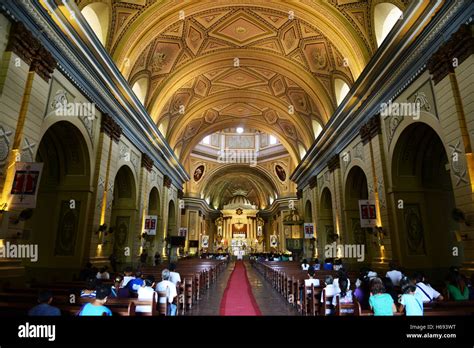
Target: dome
(239, 200)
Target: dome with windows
(239, 200)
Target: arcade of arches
(233, 123)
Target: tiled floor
(268, 300)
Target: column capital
(110, 127)
(334, 163)
(147, 162)
(27, 47)
(313, 182)
(370, 129)
(459, 46)
(167, 181)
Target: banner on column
(308, 230)
(368, 214)
(25, 184)
(150, 224)
(183, 231)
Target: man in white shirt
(311, 281)
(330, 291)
(145, 293)
(305, 265)
(170, 288)
(175, 278)
(394, 274)
(425, 290)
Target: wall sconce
(461, 237)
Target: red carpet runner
(238, 298)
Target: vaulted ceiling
(271, 65)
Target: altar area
(239, 228)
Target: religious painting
(205, 242)
(280, 172)
(198, 173)
(273, 241)
(67, 229)
(122, 224)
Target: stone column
(451, 68)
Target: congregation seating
(197, 275)
(287, 278)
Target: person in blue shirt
(328, 265)
(411, 301)
(97, 308)
(44, 307)
(380, 302)
(135, 284)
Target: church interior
(265, 151)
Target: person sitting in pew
(316, 265)
(305, 265)
(175, 278)
(330, 291)
(90, 290)
(117, 290)
(308, 282)
(410, 301)
(380, 302)
(457, 289)
(87, 272)
(127, 276)
(362, 291)
(337, 264)
(428, 293)
(328, 265)
(103, 273)
(97, 308)
(135, 284)
(170, 288)
(145, 293)
(44, 307)
(390, 289)
(341, 274)
(345, 295)
(394, 273)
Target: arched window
(316, 128)
(302, 150)
(385, 17)
(97, 15)
(341, 89)
(140, 88)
